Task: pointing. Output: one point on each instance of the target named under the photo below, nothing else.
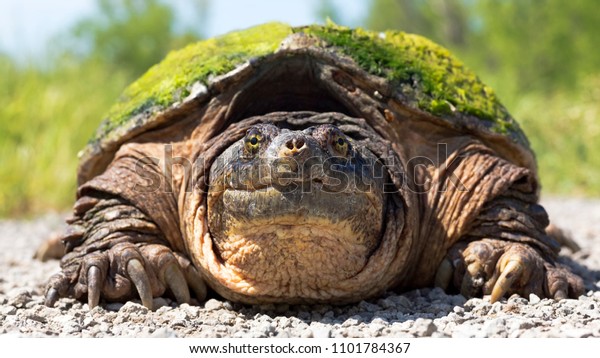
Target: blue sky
(26, 26)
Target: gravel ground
(419, 313)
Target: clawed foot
(497, 268)
(125, 271)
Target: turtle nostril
(299, 143)
(290, 144)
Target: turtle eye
(252, 142)
(340, 144)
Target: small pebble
(493, 327)
(321, 332)
(578, 333)
(8, 310)
(534, 299)
(213, 304)
(159, 302)
(458, 310)
(369, 307)
(386, 303)
(164, 332)
(19, 297)
(133, 308)
(402, 300)
(423, 327)
(307, 333)
(114, 306)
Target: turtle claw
(51, 297)
(473, 280)
(52, 248)
(562, 283)
(561, 295)
(195, 281)
(94, 280)
(139, 278)
(177, 283)
(511, 272)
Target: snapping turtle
(304, 165)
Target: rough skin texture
(175, 205)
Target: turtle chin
(291, 243)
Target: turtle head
(293, 212)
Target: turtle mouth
(293, 243)
(296, 206)
(276, 203)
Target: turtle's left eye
(252, 142)
(340, 144)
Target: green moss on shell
(439, 83)
(425, 72)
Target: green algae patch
(170, 80)
(426, 73)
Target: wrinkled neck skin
(257, 243)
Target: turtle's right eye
(252, 141)
(340, 144)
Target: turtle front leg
(117, 254)
(494, 231)
(124, 239)
(507, 252)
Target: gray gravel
(419, 313)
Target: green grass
(45, 119)
(564, 130)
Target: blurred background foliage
(541, 56)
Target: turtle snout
(294, 155)
(291, 155)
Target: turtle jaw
(250, 212)
(292, 246)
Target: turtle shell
(387, 77)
